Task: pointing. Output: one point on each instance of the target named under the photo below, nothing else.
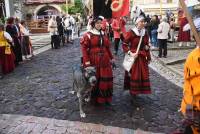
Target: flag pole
(161, 7)
(66, 6)
(189, 18)
(92, 8)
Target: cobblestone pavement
(40, 40)
(174, 56)
(173, 65)
(40, 87)
(16, 124)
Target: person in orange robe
(191, 89)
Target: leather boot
(1, 72)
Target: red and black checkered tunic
(138, 80)
(99, 56)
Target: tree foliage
(73, 9)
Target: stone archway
(49, 9)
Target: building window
(169, 1)
(69, 1)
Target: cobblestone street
(43, 40)
(40, 87)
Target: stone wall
(33, 9)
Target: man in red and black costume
(95, 47)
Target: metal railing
(43, 1)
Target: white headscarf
(140, 18)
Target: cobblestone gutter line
(167, 72)
(17, 124)
(42, 49)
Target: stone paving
(174, 56)
(174, 63)
(40, 40)
(40, 87)
(17, 124)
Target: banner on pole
(120, 8)
(111, 8)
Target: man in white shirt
(53, 30)
(68, 28)
(52, 26)
(163, 30)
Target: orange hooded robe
(191, 92)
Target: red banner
(120, 8)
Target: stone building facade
(158, 7)
(44, 8)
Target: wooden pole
(92, 7)
(161, 7)
(189, 18)
(66, 6)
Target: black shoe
(133, 96)
(1, 76)
(165, 56)
(108, 104)
(71, 42)
(98, 104)
(95, 103)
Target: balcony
(29, 2)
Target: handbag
(7, 50)
(154, 31)
(129, 60)
(7, 47)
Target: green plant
(73, 9)
(3, 20)
(29, 16)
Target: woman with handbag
(95, 46)
(137, 79)
(6, 55)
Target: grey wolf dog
(84, 79)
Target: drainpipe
(9, 6)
